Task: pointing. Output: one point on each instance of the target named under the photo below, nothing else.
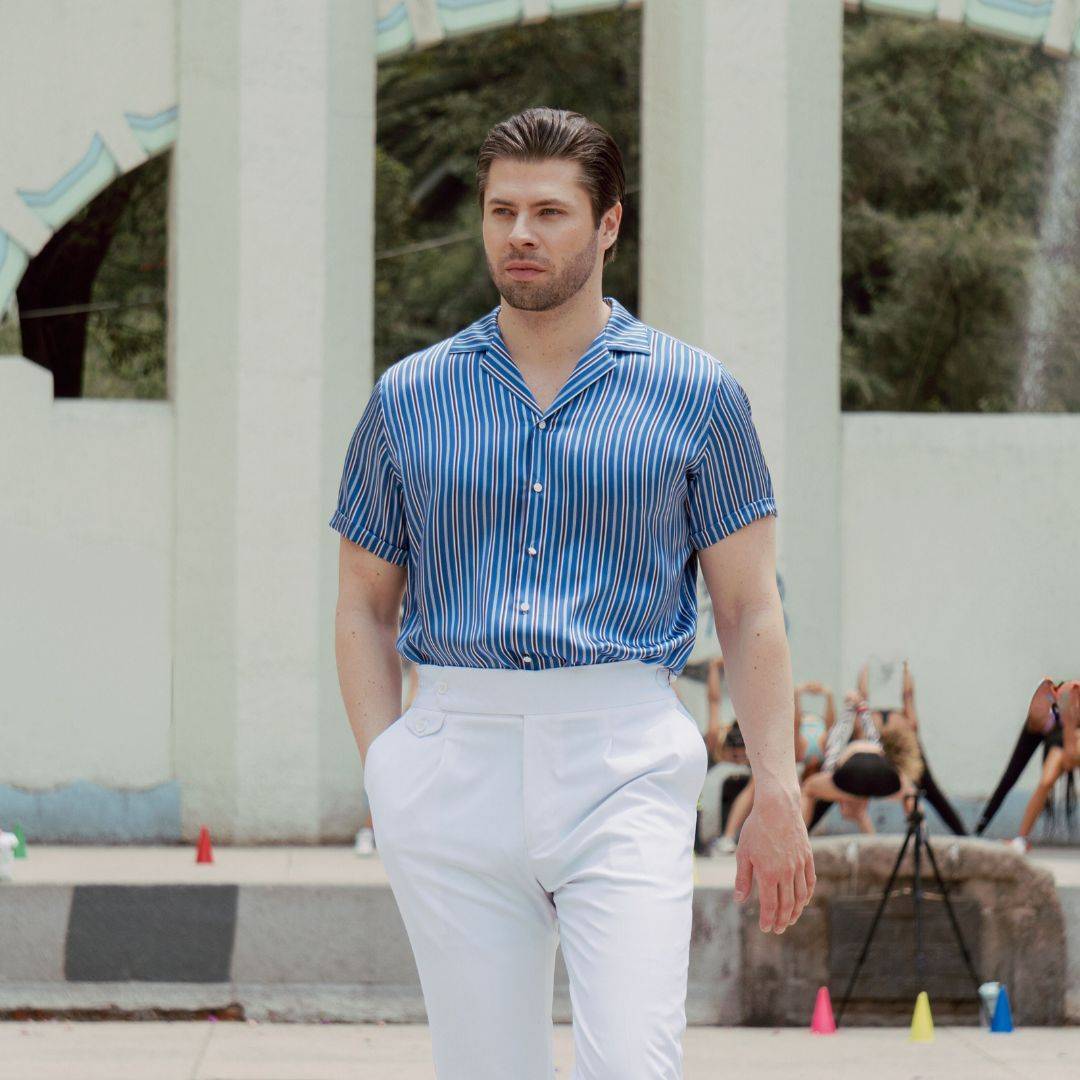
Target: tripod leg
(873, 927)
(916, 896)
(955, 924)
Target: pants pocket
(407, 757)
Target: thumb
(744, 875)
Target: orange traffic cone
(203, 851)
(823, 1022)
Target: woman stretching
(1052, 722)
(860, 764)
(906, 718)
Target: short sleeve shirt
(537, 538)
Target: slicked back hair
(541, 133)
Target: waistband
(550, 690)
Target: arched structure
(403, 26)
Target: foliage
(947, 138)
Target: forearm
(758, 663)
(369, 673)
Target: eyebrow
(539, 202)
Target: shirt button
(524, 605)
(538, 487)
(542, 424)
(527, 659)
(532, 551)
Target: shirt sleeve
(370, 507)
(728, 484)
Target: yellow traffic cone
(922, 1023)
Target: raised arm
(909, 697)
(830, 709)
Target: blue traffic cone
(1003, 1021)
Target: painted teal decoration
(393, 31)
(469, 16)
(76, 187)
(1025, 21)
(580, 7)
(13, 264)
(87, 813)
(1010, 18)
(155, 132)
(919, 9)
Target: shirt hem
(737, 519)
(368, 540)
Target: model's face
(539, 213)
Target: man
(549, 477)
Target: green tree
(947, 137)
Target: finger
(802, 894)
(767, 903)
(744, 875)
(811, 877)
(786, 907)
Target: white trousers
(516, 810)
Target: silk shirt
(537, 538)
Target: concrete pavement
(59, 1050)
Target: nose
(520, 233)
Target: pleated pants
(518, 810)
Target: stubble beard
(551, 290)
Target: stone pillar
(741, 253)
(272, 301)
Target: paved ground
(58, 1050)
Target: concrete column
(741, 253)
(273, 312)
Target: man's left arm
(774, 849)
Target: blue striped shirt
(542, 538)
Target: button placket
(535, 464)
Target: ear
(609, 223)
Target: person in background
(861, 763)
(812, 730)
(1058, 706)
(888, 717)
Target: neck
(553, 335)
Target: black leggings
(1022, 753)
(934, 796)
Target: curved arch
(407, 25)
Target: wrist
(771, 785)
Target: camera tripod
(916, 831)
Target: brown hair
(902, 750)
(540, 133)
